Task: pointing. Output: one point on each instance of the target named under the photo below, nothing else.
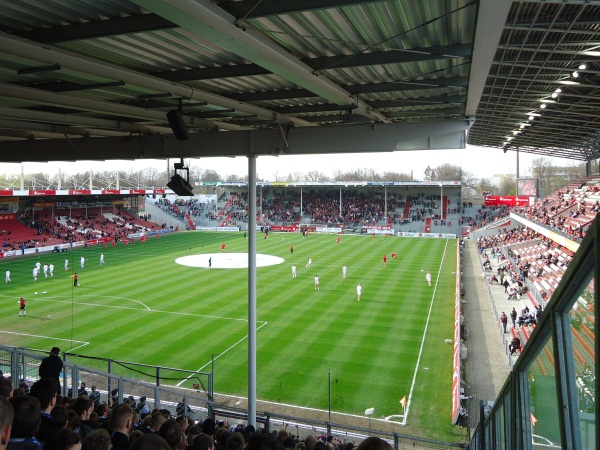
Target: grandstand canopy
(94, 79)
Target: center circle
(227, 260)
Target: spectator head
(97, 440)
(235, 442)
(289, 442)
(60, 416)
(172, 433)
(102, 409)
(27, 416)
(44, 390)
(83, 406)
(208, 426)
(67, 439)
(6, 419)
(6, 388)
(193, 431)
(122, 418)
(264, 441)
(150, 441)
(157, 420)
(203, 442)
(55, 351)
(374, 443)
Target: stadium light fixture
(582, 66)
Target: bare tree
(396, 176)
(315, 175)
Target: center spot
(227, 260)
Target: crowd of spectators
(325, 207)
(73, 226)
(42, 419)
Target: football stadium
(188, 309)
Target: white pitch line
(179, 313)
(84, 343)
(307, 408)
(412, 386)
(218, 356)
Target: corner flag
(403, 402)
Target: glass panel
(583, 325)
(500, 431)
(544, 419)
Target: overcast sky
(480, 161)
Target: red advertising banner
(8, 216)
(6, 192)
(42, 192)
(137, 191)
(111, 191)
(80, 192)
(505, 200)
(159, 191)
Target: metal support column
(252, 291)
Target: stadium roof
(94, 79)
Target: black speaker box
(180, 186)
(178, 125)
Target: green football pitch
(143, 306)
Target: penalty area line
(83, 343)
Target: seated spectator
(515, 345)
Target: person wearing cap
(52, 366)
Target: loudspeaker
(180, 186)
(178, 125)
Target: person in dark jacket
(52, 366)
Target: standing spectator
(52, 366)
(44, 390)
(504, 321)
(95, 396)
(513, 317)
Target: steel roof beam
(204, 19)
(368, 88)
(13, 45)
(251, 8)
(335, 139)
(325, 63)
(97, 29)
(491, 17)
